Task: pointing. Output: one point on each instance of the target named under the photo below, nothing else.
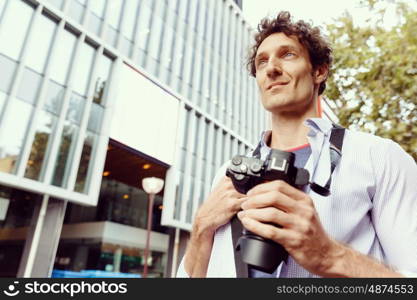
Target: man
(367, 227)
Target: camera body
(247, 172)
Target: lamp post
(151, 186)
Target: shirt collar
(315, 124)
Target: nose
(273, 69)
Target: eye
(261, 62)
(288, 54)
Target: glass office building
(96, 95)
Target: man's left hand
(301, 232)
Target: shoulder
(381, 152)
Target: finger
(277, 185)
(272, 198)
(267, 231)
(237, 203)
(268, 215)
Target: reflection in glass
(62, 57)
(97, 6)
(83, 68)
(129, 18)
(2, 101)
(76, 108)
(111, 35)
(85, 161)
(56, 3)
(7, 67)
(29, 86)
(13, 132)
(94, 24)
(115, 7)
(2, 3)
(96, 116)
(12, 40)
(46, 125)
(103, 74)
(76, 10)
(68, 137)
(40, 44)
(54, 97)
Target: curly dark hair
(310, 37)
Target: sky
(319, 12)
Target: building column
(42, 239)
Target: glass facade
(54, 78)
(60, 62)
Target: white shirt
(372, 206)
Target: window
(29, 86)
(12, 40)
(45, 127)
(11, 144)
(62, 57)
(7, 67)
(76, 10)
(129, 17)
(85, 161)
(83, 69)
(40, 44)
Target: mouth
(280, 83)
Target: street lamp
(152, 186)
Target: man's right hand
(220, 206)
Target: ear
(321, 73)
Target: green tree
(374, 75)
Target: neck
(288, 129)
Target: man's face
(284, 75)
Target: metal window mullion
(93, 181)
(65, 6)
(228, 146)
(199, 165)
(223, 71)
(200, 52)
(20, 67)
(187, 59)
(105, 18)
(122, 24)
(245, 80)
(209, 167)
(178, 29)
(251, 108)
(257, 112)
(172, 184)
(135, 49)
(206, 60)
(86, 16)
(179, 67)
(187, 177)
(60, 124)
(72, 175)
(39, 104)
(238, 76)
(230, 70)
(5, 9)
(149, 36)
(219, 149)
(215, 53)
(169, 15)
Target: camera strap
(336, 144)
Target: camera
(246, 172)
